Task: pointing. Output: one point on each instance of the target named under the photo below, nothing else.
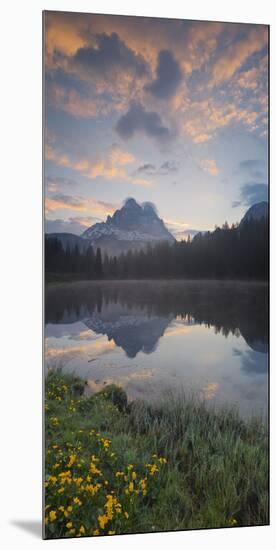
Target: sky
(169, 111)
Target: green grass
(181, 465)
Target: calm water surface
(210, 338)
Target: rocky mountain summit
(130, 227)
(256, 212)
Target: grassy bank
(113, 467)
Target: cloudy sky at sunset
(168, 111)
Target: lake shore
(114, 467)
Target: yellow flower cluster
(56, 391)
(87, 490)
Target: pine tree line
(227, 252)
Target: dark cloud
(168, 77)
(251, 164)
(253, 192)
(235, 204)
(256, 168)
(111, 53)
(166, 168)
(148, 168)
(149, 204)
(138, 120)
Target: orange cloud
(210, 166)
(237, 53)
(110, 167)
(248, 79)
(62, 32)
(93, 207)
(59, 203)
(72, 102)
(204, 118)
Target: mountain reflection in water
(205, 321)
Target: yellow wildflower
(69, 524)
(78, 481)
(72, 460)
(94, 470)
(102, 520)
(153, 469)
(52, 515)
(143, 484)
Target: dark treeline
(227, 252)
(87, 263)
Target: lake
(208, 338)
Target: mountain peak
(131, 227)
(256, 212)
(131, 203)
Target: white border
(21, 268)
